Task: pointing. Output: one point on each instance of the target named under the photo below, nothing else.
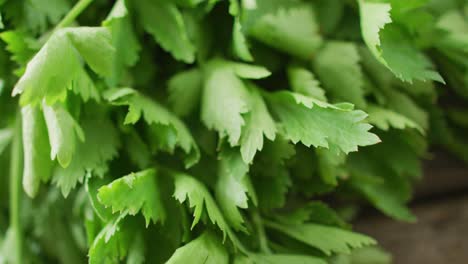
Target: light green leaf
(374, 17)
(258, 123)
(133, 193)
(224, 115)
(325, 238)
(249, 71)
(83, 86)
(91, 156)
(36, 150)
(292, 30)
(57, 65)
(112, 243)
(232, 187)
(319, 124)
(304, 82)
(164, 21)
(20, 45)
(200, 199)
(239, 42)
(207, 249)
(64, 133)
(391, 46)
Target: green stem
(15, 190)
(262, 238)
(73, 14)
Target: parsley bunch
(216, 131)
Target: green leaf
(240, 45)
(293, 30)
(374, 16)
(221, 80)
(278, 259)
(382, 197)
(166, 123)
(200, 199)
(20, 46)
(316, 123)
(249, 71)
(330, 164)
(304, 82)
(405, 105)
(92, 186)
(165, 22)
(315, 211)
(270, 176)
(36, 150)
(385, 119)
(239, 42)
(232, 187)
(133, 193)
(325, 238)
(91, 156)
(6, 134)
(111, 244)
(64, 133)
(337, 66)
(366, 255)
(184, 91)
(258, 124)
(124, 40)
(391, 45)
(39, 13)
(386, 182)
(207, 249)
(56, 67)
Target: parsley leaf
(232, 187)
(133, 193)
(56, 67)
(325, 238)
(91, 156)
(207, 248)
(320, 124)
(199, 198)
(36, 149)
(223, 80)
(169, 126)
(165, 22)
(64, 133)
(390, 44)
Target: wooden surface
(441, 234)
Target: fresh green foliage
(208, 131)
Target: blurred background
(441, 206)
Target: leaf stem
(15, 190)
(73, 14)
(262, 238)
